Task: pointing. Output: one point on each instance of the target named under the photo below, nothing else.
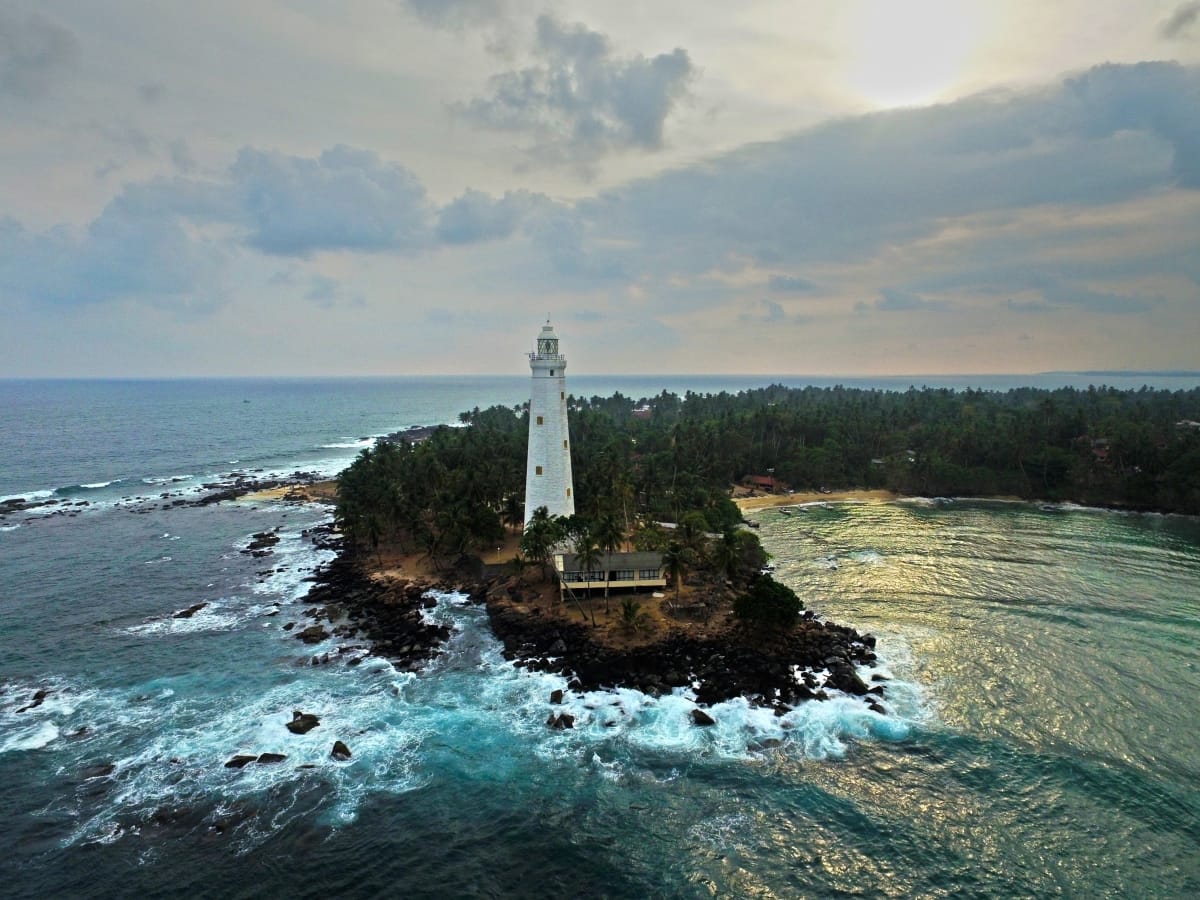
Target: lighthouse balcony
(549, 357)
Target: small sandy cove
(764, 501)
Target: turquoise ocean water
(1039, 739)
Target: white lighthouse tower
(548, 464)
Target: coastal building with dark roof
(620, 571)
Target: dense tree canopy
(1101, 446)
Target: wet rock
(556, 696)
(313, 634)
(261, 543)
(340, 751)
(561, 721)
(240, 761)
(38, 698)
(190, 611)
(700, 717)
(765, 744)
(271, 757)
(302, 722)
(846, 679)
(875, 707)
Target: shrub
(768, 604)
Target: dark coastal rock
(388, 614)
(240, 761)
(700, 717)
(271, 757)
(414, 434)
(39, 697)
(313, 634)
(302, 722)
(190, 611)
(556, 696)
(561, 721)
(340, 751)
(845, 679)
(730, 664)
(875, 707)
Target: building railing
(553, 357)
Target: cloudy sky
(848, 187)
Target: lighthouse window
(538, 470)
(551, 373)
(564, 445)
(562, 395)
(568, 492)
(539, 420)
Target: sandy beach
(317, 492)
(764, 501)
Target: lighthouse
(548, 464)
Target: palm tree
(725, 554)
(539, 538)
(632, 616)
(610, 537)
(511, 512)
(676, 562)
(587, 555)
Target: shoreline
(377, 598)
(320, 492)
(769, 501)
(759, 502)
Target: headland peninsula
(440, 508)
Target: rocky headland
(380, 612)
(779, 669)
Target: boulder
(340, 751)
(556, 696)
(239, 761)
(38, 699)
(271, 757)
(190, 611)
(302, 722)
(561, 721)
(846, 679)
(700, 717)
(313, 634)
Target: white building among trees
(548, 463)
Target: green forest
(680, 454)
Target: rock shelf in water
(781, 669)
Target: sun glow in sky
(912, 52)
